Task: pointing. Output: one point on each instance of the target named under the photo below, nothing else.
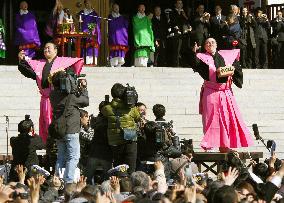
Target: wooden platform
(217, 159)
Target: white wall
(269, 2)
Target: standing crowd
(163, 38)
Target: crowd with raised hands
(235, 184)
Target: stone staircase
(261, 100)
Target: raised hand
(272, 160)
(21, 55)
(6, 193)
(81, 183)
(1, 180)
(34, 184)
(158, 165)
(231, 176)
(195, 47)
(21, 171)
(190, 194)
(114, 182)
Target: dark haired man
(24, 147)
(178, 26)
(68, 105)
(278, 40)
(121, 118)
(226, 194)
(160, 25)
(217, 24)
(39, 70)
(98, 163)
(159, 111)
(261, 39)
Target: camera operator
(278, 40)
(161, 142)
(24, 147)
(67, 104)
(99, 163)
(157, 148)
(122, 129)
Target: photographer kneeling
(122, 117)
(66, 98)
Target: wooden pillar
(104, 10)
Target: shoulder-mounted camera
(130, 95)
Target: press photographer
(24, 147)
(122, 116)
(69, 94)
(99, 163)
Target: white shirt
(115, 15)
(140, 15)
(60, 17)
(22, 12)
(87, 11)
(179, 10)
(158, 17)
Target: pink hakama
(223, 125)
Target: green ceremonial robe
(143, 36)
(2, 43)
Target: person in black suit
(24, 147)
(201, 25)
(261, 39)
(160, 26)
(278, 40)
(69, 145)
(247, 40)
(178, 20)
(216, 26)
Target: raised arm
(24, 67)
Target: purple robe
(90, 18)
(27, 33)
(117, 36)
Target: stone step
(261, 99)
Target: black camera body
(71, 84)
(166, 141)
(164, 133)
(130, 95)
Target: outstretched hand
(195, 47)
(5, 193)
(21, 55)
(114, 182)
(21, 171)
(34, 184)
(231, 176)
(81, 183)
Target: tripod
(6, 161)
(7, 137)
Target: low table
(218, 158)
